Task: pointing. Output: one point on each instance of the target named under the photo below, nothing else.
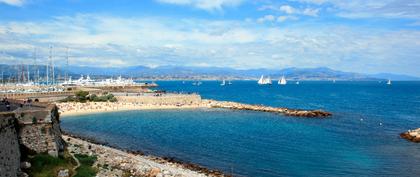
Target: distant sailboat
(297, 82)
(333, 80)
(389, 82)
(282, 81)
(264, 81)
(229, 83)
(223, 83)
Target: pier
(284, 111)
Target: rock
(412, 135)
(25, 165)
(23, 174)
(63, 173)
(154, 172)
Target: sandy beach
(73, 108)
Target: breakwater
(412, 135)
(284, 111)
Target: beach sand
(73, 108)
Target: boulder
(25, 165)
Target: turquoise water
(263, 144)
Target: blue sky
(368, 36)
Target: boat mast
(48, 69)
(67, 63)
(52, 67)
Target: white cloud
(266, 18)
(208, 5)
(13, 2)
(289, 10)
(115, 41)
(372, 8)
(310, 12)
(283, 18)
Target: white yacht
(264, 81)
(223, 83)
(389, 82)
(282, 81)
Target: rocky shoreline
(284, 111)
(412, 135)
(134, 162)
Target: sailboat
(389, 82)
(229, 83)
(264, 81)
(297, 82)
(223, 83)
(282, 81)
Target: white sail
(282, 81)
(297, 82)
(268, 80)
(261, 81)
(223, 83)
(389, 82)
(264, 81)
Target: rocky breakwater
(284, 111)
(412, 135)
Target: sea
(360, 139)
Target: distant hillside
(182, 72)
(399, 77)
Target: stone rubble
(285, 111)
(113, 162)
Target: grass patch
(86, 169)
(44, 165)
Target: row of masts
(23, 74)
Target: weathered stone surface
(25, 165)
(35, 127)
(9, 146)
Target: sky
(367, 36)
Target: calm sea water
(263, 144)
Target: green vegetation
(44, 165)
(85, 169)
(83, 96)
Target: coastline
(115, 161)
(75, 109)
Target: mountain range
(211, 73)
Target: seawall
(284, 111)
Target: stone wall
(9, 146)
(166, 99)
(44, 134)
(35, 128)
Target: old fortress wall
(9, 145)
(29, 128)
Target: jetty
(412, 135)
(284, 111)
